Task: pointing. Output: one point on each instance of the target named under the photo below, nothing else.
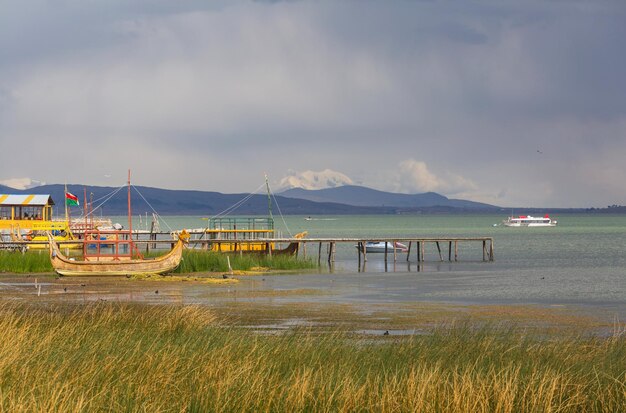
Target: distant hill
(186, 202)
(367, 197)
(333, 201)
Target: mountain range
(347, 199)
(367, 197)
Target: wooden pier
(325, 248)
(417, 246)
(421, 246)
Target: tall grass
(196, 261)
(29, 262)
(112, 357)
(193, 261)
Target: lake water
(580, 262)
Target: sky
(505, 102)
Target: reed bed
(193, 261)
(198, 261)
(116, 357)
(24, 263)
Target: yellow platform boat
(28, 217)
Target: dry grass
(116, 357)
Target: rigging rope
(237, 204)
(227, 211)
(280, 213)
(151, 207)
(108, 197)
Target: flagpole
(130, 222)
(67, 216)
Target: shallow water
(581, 262)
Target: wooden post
(420, 251)
(328, 250)
(364, 252)
(484, 250)
(385, 252)
(456, 250)
(450, 251)
(491, 251)
(358, 252)
(408, 252)
(395, 255)
(304, 250)
(319, 255)
(439, 249)
(331, 252)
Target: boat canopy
(25, 207)
(25, 200)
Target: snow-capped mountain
(312, 180)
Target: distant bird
(386, 333)
(107, 175)
(65, 289)
(82, 285)
(224, 276)
(156, 292)
(538, 151)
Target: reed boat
(291, 249)
(250, 244)
(113, 252)
(118, 265)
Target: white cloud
(21, 183)
(413, 176)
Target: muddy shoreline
(269, 302)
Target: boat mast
(130, 221)
(85, 209)
(269, 197)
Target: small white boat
(378, 247)
(529, 221)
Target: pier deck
(416, 245)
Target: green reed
(28, 262)
(199, 261)
(193, 261)
(122, 357)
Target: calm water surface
(582, 261)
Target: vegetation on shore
(116, 357)
(25, 263)
(198, 261)
(193, 261)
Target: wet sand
(371, 303)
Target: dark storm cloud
(451, 97)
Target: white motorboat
(529, 221)
(378, 247)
